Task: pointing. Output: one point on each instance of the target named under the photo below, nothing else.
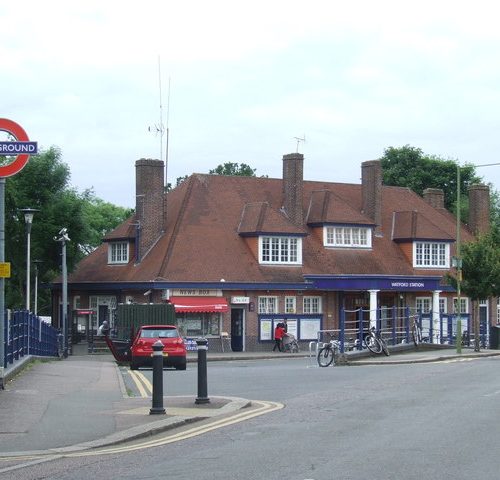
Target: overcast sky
(246, 78)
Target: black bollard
(202, 371)
(157, 407)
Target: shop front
(199, 316)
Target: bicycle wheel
(295, 347)
(384, 347)
(416, 333)
(325, 356)
(373, 344)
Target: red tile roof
(207, 213)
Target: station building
(236, 254)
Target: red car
(174, 350)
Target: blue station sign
(18, 148)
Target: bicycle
(326, 353)
(375, 342)
(416, 333)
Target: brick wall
(479, 209)
(434, 197)
(149, 188)
(293, 177)
(371, 183)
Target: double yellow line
(143, 385)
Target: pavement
(81, 403)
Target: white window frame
(118, 253)
(443, 305)
(290, 305)
(268, 304)
(464, 305)
(280, 250)
(347, 236)
(423, 304)
(312, 304)
(431, 255)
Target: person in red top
(279, 333)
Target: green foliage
(481, 267)
(99, 218)
(409, 167)
(230, 168)
(44, 184)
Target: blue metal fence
(395, 326)
(26, 334)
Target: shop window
(198, 324)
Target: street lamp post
(28, 218)
(63, 238)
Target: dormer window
(431, 254)
(280, 250)
(347, 237)
(118, 252)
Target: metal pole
(28, 269)
(202, 371)
(459, 268)
(65, 298)
(157, 400)
(2, 281)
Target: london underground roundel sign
(22, 148)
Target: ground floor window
(423, 304)
(464, 305)
(198, 324)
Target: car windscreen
(159, 333)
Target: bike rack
(314, 347)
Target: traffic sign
(4, 270)
(22, 145)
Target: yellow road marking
(137, 380)
(169, 437)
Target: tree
(230, 168)
(99, 218)
(44, 185)
(480, 273)
(409, 167)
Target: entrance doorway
(237, 329)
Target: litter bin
(495, 337)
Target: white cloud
(246, 79)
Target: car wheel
(181, 366)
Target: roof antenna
(299, 139)
(159, 129)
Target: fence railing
(395, 325)
(26, 334)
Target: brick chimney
(371, 192)
(149, 205)
(293, 178)
(479, 209)
(434, 197)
